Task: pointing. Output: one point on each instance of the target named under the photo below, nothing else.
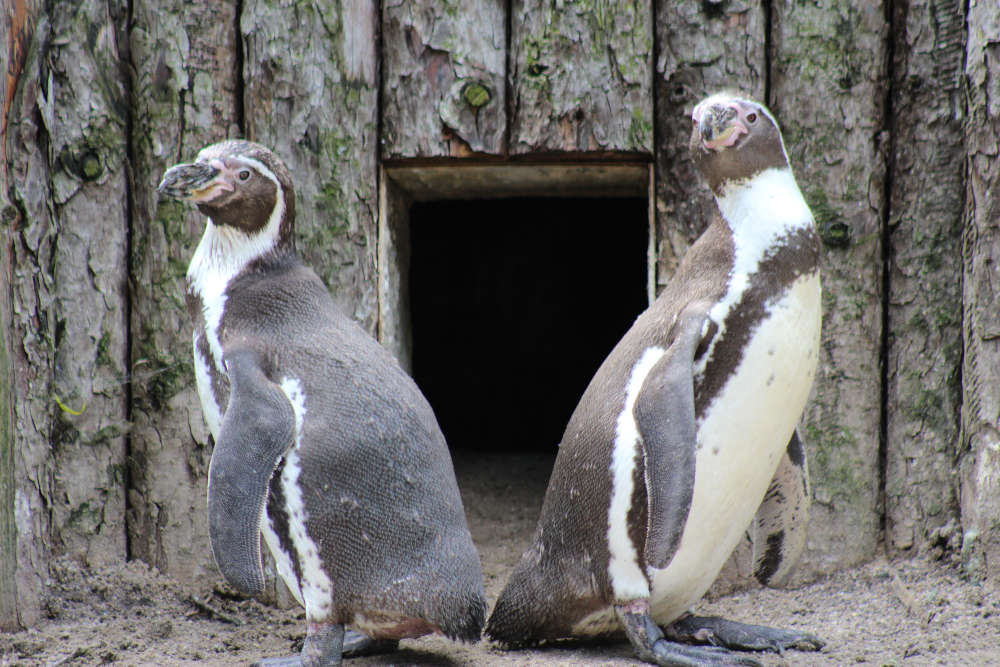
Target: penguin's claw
(322, 648)
(651, 646)
(669, 654)
(740, 636)
(287, 661)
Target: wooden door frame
(405, 182)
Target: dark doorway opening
(514, 304)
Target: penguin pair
(683, 439)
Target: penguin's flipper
(664, 414)
(257, 430)
(778, 532)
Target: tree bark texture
(888, 140)
(19, 594)
(980, 455)
(316, 106)
(924, 352)
(444, 82)
(8, 481)
(67, 183)
(700, 51)
(184, 97)
(580, 76)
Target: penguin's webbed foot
(322, 648)
(741, 636)
(287, 661)
(357, 645)
(651, 646)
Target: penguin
(323, 444)
(685, 438)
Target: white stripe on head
(767, 112)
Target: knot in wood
(476, 94)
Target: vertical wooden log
(925, 283)
(700, 51)
(311, 76)
(444, 78)
(16, 26)
(184, 64)
(394, 321)
(581, 76)
(27, 556)
(829, 87)
(66, 162)
(8, 526)
(980, 460)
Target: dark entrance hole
(515, 303)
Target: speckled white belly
(740, 443)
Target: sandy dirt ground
(900, 614)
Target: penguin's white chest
(741, 439)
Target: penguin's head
(734, 139)
(237, 184)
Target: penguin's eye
(752, 117)
(244, 175)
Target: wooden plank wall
(893, 142)
(185, 90)
(580, 76)
(979, 469)
(828, 91)
(66, 205)
(313, 98)
(444, 90)
(924, 318)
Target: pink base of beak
(211, 191)
(727, 138)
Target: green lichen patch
(834, 232)
(640, 131)
(104, 435)
(103, 357)
(476, 94)
(836, 472)
(157, 378)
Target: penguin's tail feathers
(466, 623)
(515, 621)
(545, 600)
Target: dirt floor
(899, 614)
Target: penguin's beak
(719, 125)
(199, 181)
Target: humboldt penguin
(322, 443)
(686, 436)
